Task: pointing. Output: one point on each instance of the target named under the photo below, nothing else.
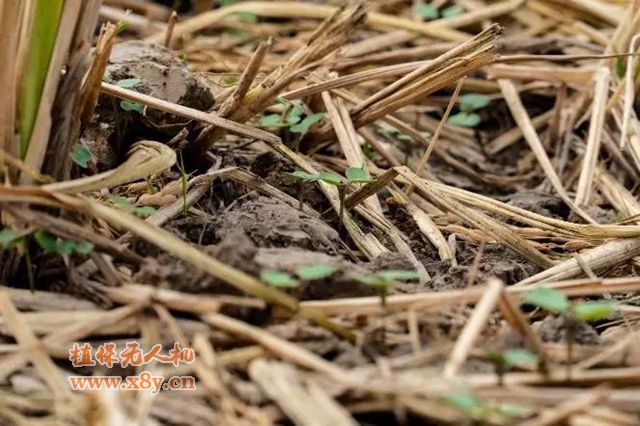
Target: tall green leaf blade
(44, 29)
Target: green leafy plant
(279, 279)
(128, 83)
(315, 272)
(132, 106)
(80, 155)
(357, 175)
(426, 11)
(383, 280)
(486, 411)
(9, 238)
(573, 314)
(353, 174)
(305, 273)
(52, 244)
(511, 358)
(48, 243)
(467, 117)
(144, 211)
(293, 117)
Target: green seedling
(80, 155)
(382, 280)
(51, 244)
(293, 118)
(305, 273)
(48, 242)
(279, 279)
(502, 361)
(315, 272)
(572, 313)
(467, 117)
(9, 238)
(428, 12)
(353, 174)
(142, 212)
(486, 411)
(129, 83)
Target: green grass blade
(44, 28)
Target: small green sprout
(315, 272)
(382, 280)
(270, 121)
(51, 244)
(128, 83)
(357, 175)
(305, 273)
(554, 301)
(426, 12)
(292, 118)
(511, 358)
(304, 125)
(279, 279)
(572, 313)
(353, 174)
(142, 212)
(48, 242)
(547, 299)
(466, 403)
(80, 155)
(481, 410)
(9, 238)
(467, 117)
(132, 106)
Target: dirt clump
(272, 223)
(159, 73)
